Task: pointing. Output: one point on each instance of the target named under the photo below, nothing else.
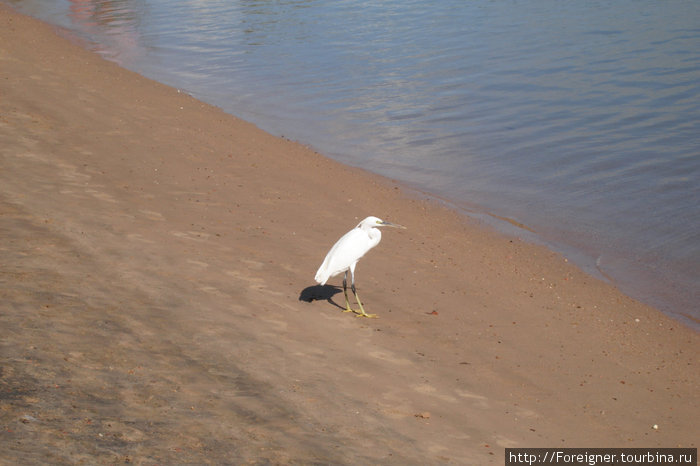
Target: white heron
(345, 254)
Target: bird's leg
(362, 312)
(345, 291)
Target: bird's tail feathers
(321, 278)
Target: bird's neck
(375, 234)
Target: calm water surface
(580, 120)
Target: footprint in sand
(137, 237)
(71, 174)
(389, 357)
(505, 442)
(432, 391)
(191, 235)
(100, 195)
(204, 265)
(151, 215)
(215, 291)
(258, 283)
(479, 401)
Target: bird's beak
(395, 225)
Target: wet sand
(157, 299)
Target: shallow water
(580, 120)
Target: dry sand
(156, 259)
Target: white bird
(347, 251)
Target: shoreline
(583, 260)
(156, 254)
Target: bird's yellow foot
(361, 313)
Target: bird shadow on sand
(320, 293)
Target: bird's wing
(344, 253)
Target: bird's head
(373, 222)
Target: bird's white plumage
(349, 249)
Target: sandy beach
(158, 303)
